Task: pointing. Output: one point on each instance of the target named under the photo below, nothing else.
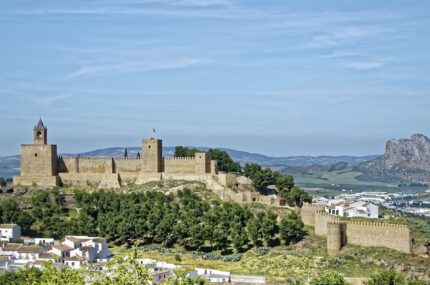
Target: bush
(329, 279)
(386, 278)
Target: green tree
(261, 177)
(224, 161)
(386, 278)
(181, 151)
(2, 182)
(51, 275)
(329, 279)
(292, 228)
(269, 227)
(24, 276)
(297, 196)
(284, 183)
(125, 270)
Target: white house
(211, 275)
(352, 208)
(159, 275)
(10, 232)
(99, 244)
(44, 241)
(75, 262)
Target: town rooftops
(86, 248)
(47, 255)
(8, 226)
(76, 239)
(11, 246)
(75, 258)
(159, 272)
(29, 249)
(62, 247)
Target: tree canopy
(224, 161)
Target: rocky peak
(412, 153)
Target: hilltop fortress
(42, 167)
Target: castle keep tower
(38, 160)
(152, 155)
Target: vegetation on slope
(183, 219)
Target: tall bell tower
(40, 133)
(38, 161)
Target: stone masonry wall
(95, 165)
(359, 233)
(321, 220)
(379, 234)
(308, 211)
(128, 165)
(186, 165)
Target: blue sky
(275, 77)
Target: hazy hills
(404, 160)
(9, 166)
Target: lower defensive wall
(339, 233)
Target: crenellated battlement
(376, 224)
(179, 158)
(340, 231)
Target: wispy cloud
(133, 67)
(344, 35)
(366, 65)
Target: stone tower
(336, 235)
(38, 160)
(40, 133)
(152, 155)
(202, 163)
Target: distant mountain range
(9, 165)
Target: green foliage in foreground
(328, 279)
(124, 269)
(390, 278)
(183, 219)
(381, 278)
(48, 275)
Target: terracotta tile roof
(47, 255)
(99, 240)
(11, 246)
(29, 249)
(37, 262)
(62, 247)
(75, 239)
(76, 258)
(86, 248)
(7, 226)
(159, 272)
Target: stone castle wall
(308, 211)
(379, 234)
(321, 221)
(358, 233)
(180, 165)
(125, 165)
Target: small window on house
(73, 264)
(35, 155)
(149, 146)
